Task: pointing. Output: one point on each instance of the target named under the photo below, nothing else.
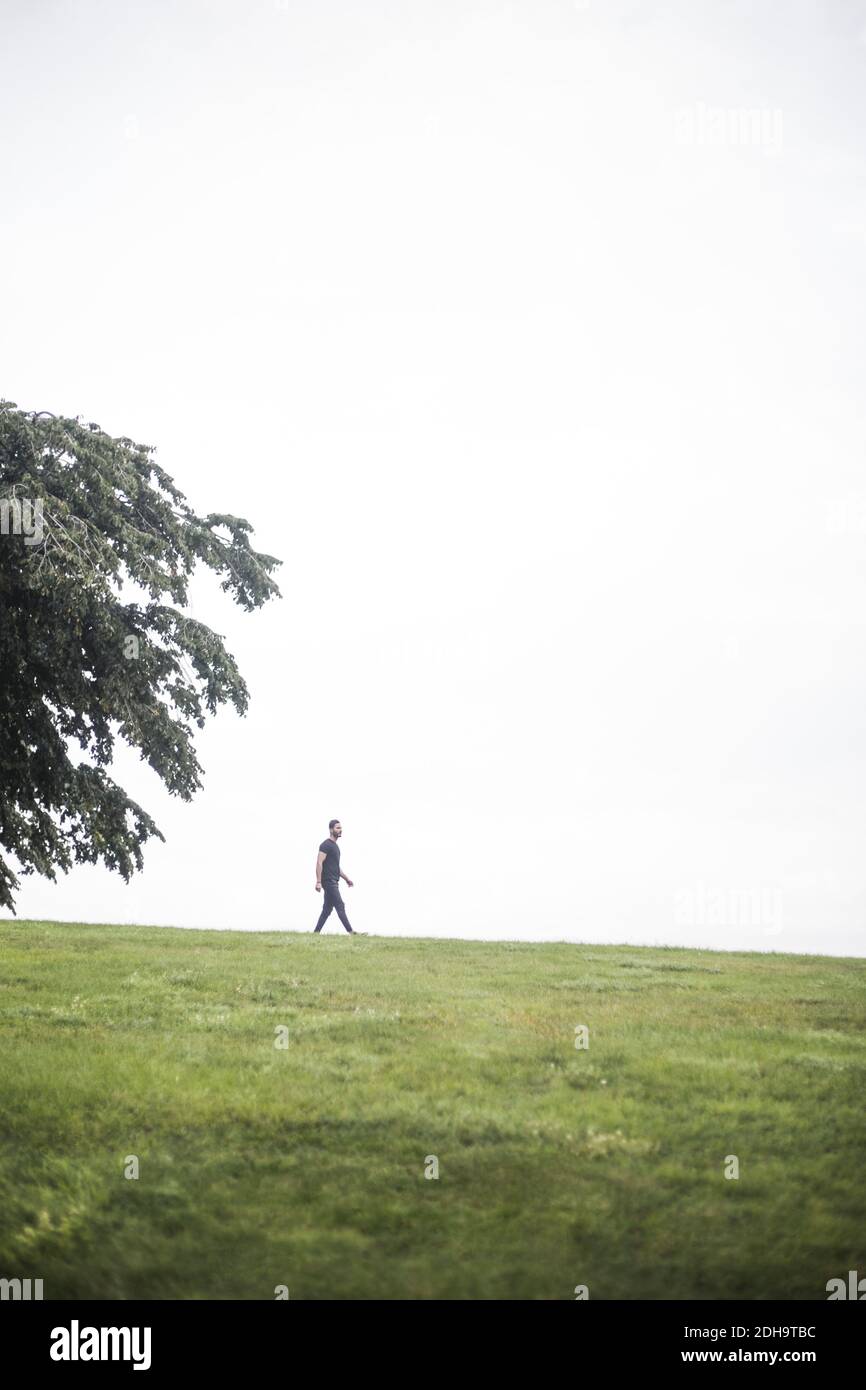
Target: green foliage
(82, 662)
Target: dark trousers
(333, 901)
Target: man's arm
(348, 880)
(319, 862)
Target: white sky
(543, 375)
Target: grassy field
(304, 1165)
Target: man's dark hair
(332, 823)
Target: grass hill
(304, 1165)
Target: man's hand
(318, 887)
(349, 883)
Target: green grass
(305, 1166)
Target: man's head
(335, 828)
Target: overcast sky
(530, 336)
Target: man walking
(328, 875)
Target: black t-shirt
(331, 866)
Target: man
(328, 875)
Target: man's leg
(340, 906)
(327, 909)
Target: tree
(93, 537)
